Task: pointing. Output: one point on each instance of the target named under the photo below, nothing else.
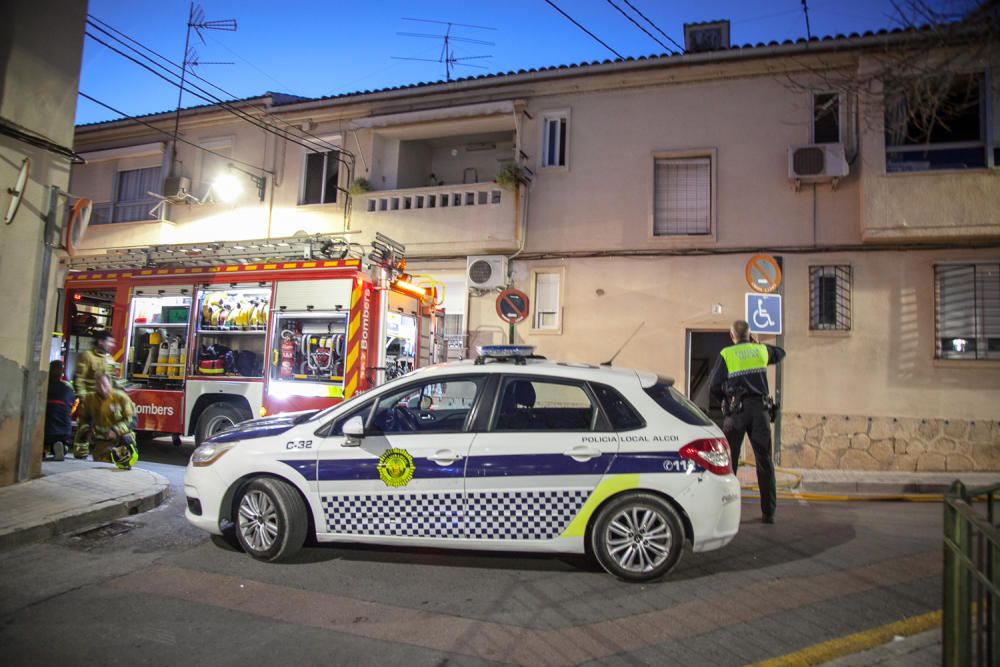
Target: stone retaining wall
(851, 442)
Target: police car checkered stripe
(490, 515)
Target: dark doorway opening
(703, 350)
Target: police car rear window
(677, 404)
(621, 413)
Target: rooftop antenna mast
(627, 341)
(447, 56)
(196, 21)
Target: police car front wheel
(271, 521)
(638, 537)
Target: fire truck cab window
(158, 335)
(232, 327)
(309, 347)
(400, 343)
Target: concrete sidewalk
(860, 483)
(73, 495)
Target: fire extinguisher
(287, 366)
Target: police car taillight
(710, 453)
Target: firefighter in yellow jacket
(94, 362)
(106, 419)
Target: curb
(98, 513)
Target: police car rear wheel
(271, 521)
(638, 537)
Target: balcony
(458, 219)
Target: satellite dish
(17, 191)
(79, 220)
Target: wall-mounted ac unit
(176, 188)
(817, 163)
(486, 271)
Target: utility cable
(11, 130)
(598, 39)
(636, 24)
(170, 134)
(650, 22)
(225, 105)
(94, 20)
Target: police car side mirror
(354, 432)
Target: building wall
(39, 74)
(873, 397)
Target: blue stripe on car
(515, 465)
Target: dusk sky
(314, 48)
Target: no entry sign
(512, 306)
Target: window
(555, 128)
(830, 298)
(682, 196)
(321, 178)
(547, 287)
(621, 413)
(826, 118)
(967, 305)
(536, 405)
(936, 123)
(436, 407)
(677, 403)
(132, 200)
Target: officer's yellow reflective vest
(745, 358)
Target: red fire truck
(210, 335)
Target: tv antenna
(447, 57)
(197, 22)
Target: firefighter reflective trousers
(754, 421)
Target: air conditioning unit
(487, 271)
(817, 163)
(176, 188)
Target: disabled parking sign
(763, 313)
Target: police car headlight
(206, 455)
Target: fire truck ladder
(320, 246)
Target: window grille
(967, 309)
(683, 196)
(830, 298)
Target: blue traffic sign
(764, 313)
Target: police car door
(404, 478)
(530, 473)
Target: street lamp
(229, 188)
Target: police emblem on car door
(404, 476)
(546, 451)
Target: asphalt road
(151, 589)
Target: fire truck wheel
(217, 418)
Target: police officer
(739, 381)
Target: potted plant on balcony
(360, 186)
(509, 176)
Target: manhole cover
(107, 530)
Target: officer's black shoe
(58, 451)
(768, 518)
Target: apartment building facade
(627, 198)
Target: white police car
(516, 453)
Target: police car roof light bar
(516, 354)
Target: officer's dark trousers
(753, 420)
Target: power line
(636, 24)
(574, 22)
(317, 140)
(650, 22)
(170, 134)
(207, 97)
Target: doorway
(703, 350)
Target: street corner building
(623, 197)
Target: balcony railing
(438, 197)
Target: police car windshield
(350, 401)
(676, 403)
